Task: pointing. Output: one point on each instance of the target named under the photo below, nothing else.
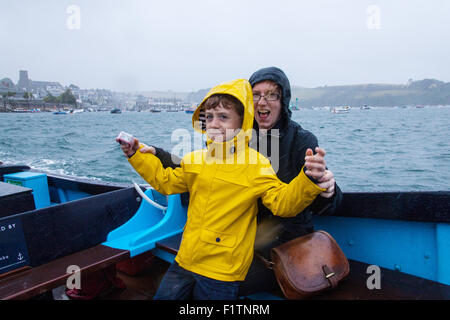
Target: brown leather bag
(308, 265)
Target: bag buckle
(328, 275)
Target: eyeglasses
(269, 97)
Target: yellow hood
(240, 89)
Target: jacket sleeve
(166, 181)
(328, 206)
(167, 159)
(285, 200)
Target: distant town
(45, 96)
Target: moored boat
(340, 109)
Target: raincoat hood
(279, 77)
(241, 90)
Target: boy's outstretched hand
(129, 150)
(316, 168)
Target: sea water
(377, 149)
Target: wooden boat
(94, 225)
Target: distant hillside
(197, 96)
(163, 94)
(422, 92)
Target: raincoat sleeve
(285, 200)
(166, 181)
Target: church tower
(24, 82)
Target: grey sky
(189, 45)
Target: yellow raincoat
(224, 181)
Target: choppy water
(381, 149)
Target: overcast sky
(189, 45)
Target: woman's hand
(327, 182)
(315, 163)
(316, 168)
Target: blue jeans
(181, 284)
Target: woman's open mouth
(263, 114)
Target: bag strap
(269, 264)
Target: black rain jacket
(293, 142)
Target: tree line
(66, 97)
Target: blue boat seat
(149, 225)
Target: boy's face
(222, 124)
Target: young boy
(224, 181)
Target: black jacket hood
(279, 77)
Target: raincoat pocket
(218, 238)
(216, 250)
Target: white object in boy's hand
(124, 137)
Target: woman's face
(267, 112)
